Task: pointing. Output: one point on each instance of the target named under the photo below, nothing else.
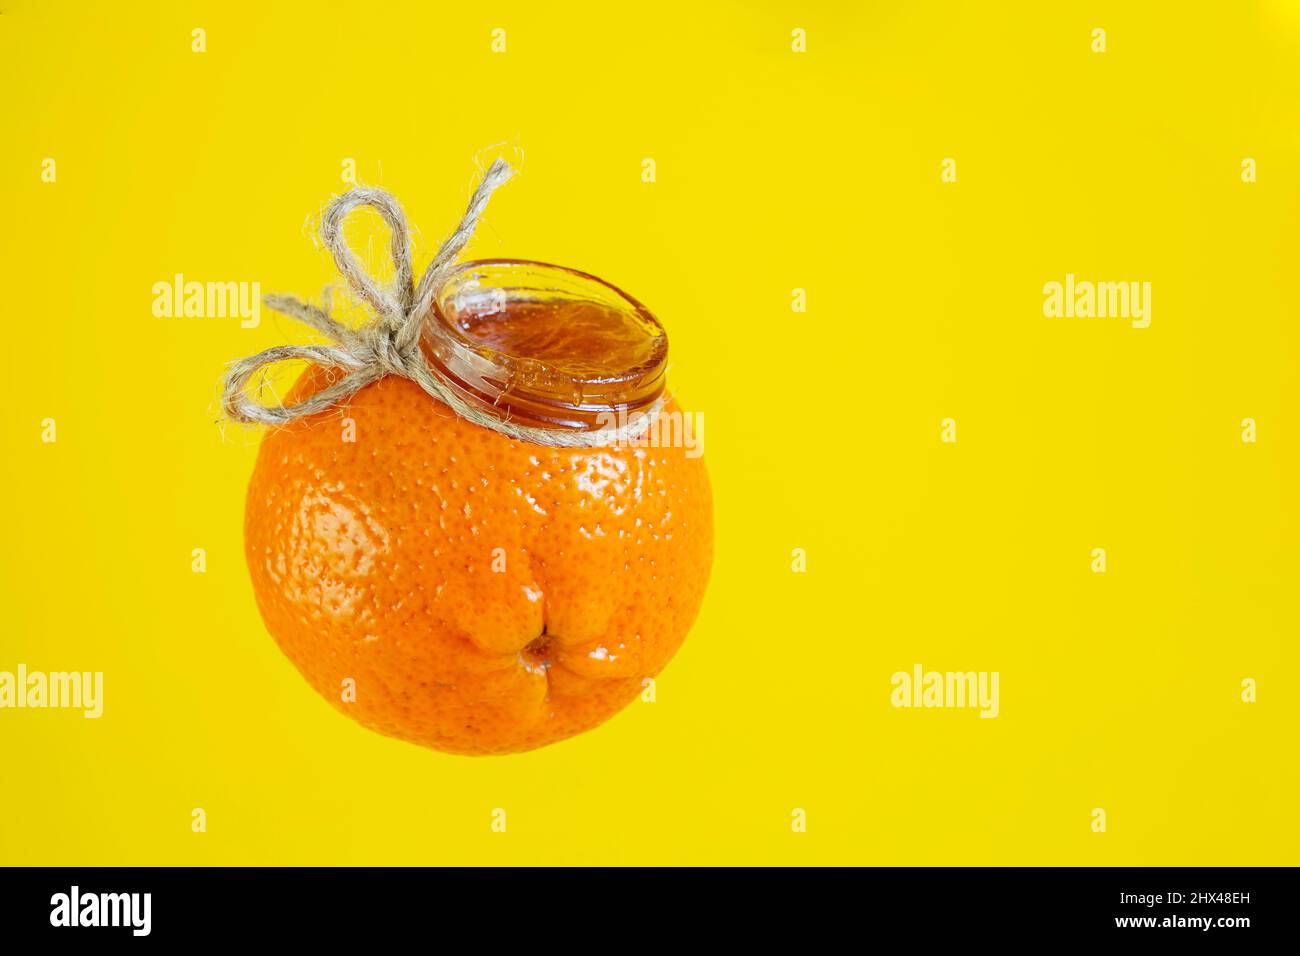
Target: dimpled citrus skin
(486, 595)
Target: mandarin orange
(484, 595)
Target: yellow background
(775, 170)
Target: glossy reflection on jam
(544, 344)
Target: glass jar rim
(524, 387)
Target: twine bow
(390, 343)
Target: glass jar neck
(544, 345)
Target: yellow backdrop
(921, 172)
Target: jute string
(390, 343)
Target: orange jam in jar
(480, 593)
(544, 345)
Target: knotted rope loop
(390, 343)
